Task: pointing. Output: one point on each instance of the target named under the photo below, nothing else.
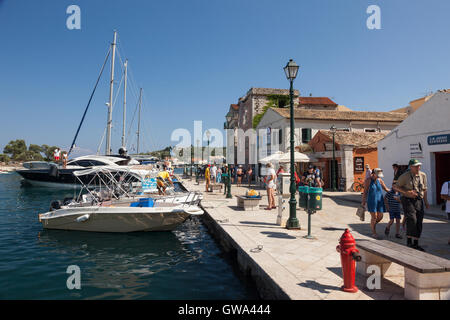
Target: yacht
(48, 174)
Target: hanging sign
(359, 164)
(416, 150)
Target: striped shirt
(394, 205)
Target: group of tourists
(408, 194)
(311, 177)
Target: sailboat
(45, 174)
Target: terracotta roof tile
(316, 100)
(359, 139)
(308, 114)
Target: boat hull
(107, 219)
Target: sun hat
(414, 163)
(378, 172)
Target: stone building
(353, 150)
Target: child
(392, 201)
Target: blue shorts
(394, 215)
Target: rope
(89, 102)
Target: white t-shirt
(445, 191)
(213, 171)
(270, 172)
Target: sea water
(182, 264)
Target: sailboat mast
(124, 104)
(111, 90)
(139, 119)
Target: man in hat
(412, 185)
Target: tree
(4, 158)
(15, 148)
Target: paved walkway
(311, 269)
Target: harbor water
(183, 264)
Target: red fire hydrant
(349, 254)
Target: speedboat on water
(47, 174)
(113, 206)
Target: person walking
(445, 195)
(240, 174)
(393, 206)
(270, 185)
(368, 172)
(249, 175)
(213, 173)
(219, 175)
(412, 185)
(373, 196)
(207, 177)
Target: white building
(424, 135)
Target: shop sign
(440, 139)
(359, 164)
(416, 150)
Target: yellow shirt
(207, 173)
(164, 174)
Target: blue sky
(195, 57)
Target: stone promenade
(288, 266)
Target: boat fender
(55, 205)
(83, 218)
(53, 171)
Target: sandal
(386, 231)
(398, 236)
(267, 208)
(375, 236)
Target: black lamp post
(291, 70)
(196, 170)
(333, 164)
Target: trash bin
(314, 201)
(303, 199)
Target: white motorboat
(108, 206)
(117, 217)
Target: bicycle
(358, 186)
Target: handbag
(361, 212)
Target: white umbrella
(272, 158)
(298, 157)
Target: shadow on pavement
(280, 235)
(322, 288)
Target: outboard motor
(67, 201)
(123, 151)
(55, 205)
(53, 171)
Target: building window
(306, 135)
(280, 136)
(370, 130)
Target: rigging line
(89, 102)
(101, 141)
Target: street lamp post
(291, 70)
(333, 164)
(196, 170)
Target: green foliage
(17, 150)
(4, 158)
(274, 101)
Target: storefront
(425, 135)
